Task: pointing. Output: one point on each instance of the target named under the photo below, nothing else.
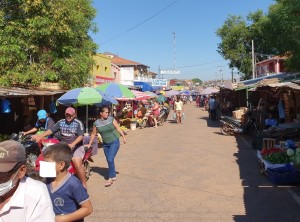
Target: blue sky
(142, 31)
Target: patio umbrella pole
(87, 119)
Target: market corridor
(187, 172)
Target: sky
(168, 34)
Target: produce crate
(283, 175)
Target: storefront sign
(159, 82)
(169, 72)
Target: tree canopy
(196, 80)
(46, 41)
(274, 33)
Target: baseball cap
(42, 114)
(70, 111)
(11, 153)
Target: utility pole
(174, 52)
(221, 72)
(253, 61)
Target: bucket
(132, 126)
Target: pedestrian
(43, 123)
(71, 132)
(178, 109)
(110, 132)
(156, 112)
(69, 198)
(21, 198)
(212, 108)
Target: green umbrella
(160, 99)
(116, 90)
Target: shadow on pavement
(211, 123)
(101, 171)
(263, 201)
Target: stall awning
(6, 92)
(147, 86)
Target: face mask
(7, 186)
(47, 169)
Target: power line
(139, 24)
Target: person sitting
(43, 123)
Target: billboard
(159, 82)
(169, 72)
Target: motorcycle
(231, 126)
(32, 149)
(85, 160)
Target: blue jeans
(110, 151)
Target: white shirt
(178, 105)
(30, 203)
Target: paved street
(188, 172)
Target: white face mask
(47, 169)
(7, 186)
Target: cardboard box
(237, 114)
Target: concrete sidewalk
(187, 172)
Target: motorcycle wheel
(225, 131)
(87, 170)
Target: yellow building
(101, 70)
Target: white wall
(127, 75)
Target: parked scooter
(231, 126)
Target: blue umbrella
(86, 96)
(185, 92)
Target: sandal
(108, 183)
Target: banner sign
(159, 82)
(169, 72)
(101, 80)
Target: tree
(196, 80)
(283, 30)
(235, 44)
(46, 41)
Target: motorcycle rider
(43, 123)
(71, 132)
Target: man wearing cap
(21, 198)
(71, 132)
(43, 123)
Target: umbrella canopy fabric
(161, 99)
(209, 90)
(138, 95)
(86, 96)
(151, 94)
(185, 92)
(172, 93)
(116, 90)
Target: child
(69, 198)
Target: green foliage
(46, 41)
(196, 80)
(276, 33)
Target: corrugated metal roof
(18, 92)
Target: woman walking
(108, 128)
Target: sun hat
(11, 153)
(42, 114)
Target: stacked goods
(237, 114)
(275, 155)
